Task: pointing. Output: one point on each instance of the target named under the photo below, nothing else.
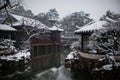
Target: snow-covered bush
(75, 45)
(21, 55)
(107, 40)
(108, 58)
(7, 46)
(73, 55)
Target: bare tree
(9, 3)
(32, 28)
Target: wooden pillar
(82, 42)
(52, 49)
(32, 51)
(46, 49)
(56, 48)
(37, 50)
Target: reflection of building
(45, 47)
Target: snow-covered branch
(107, 39)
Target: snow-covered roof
(55, 28)
(21, 20)
(5, 27)
(91, 27)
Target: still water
(54, 73)
(60, 73)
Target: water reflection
(60, 73)
(63, 74)
(49, 74)
(27, 72)
(17, 76)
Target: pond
(60, 73)
(52, 73)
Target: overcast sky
(95, 8)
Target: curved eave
(82, 32)
(91, 28)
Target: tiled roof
(91, 27)
(21, 20)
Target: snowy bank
(16, 57)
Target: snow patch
(107, 67)
(54, 69)
(55, 28)
(73, 55)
